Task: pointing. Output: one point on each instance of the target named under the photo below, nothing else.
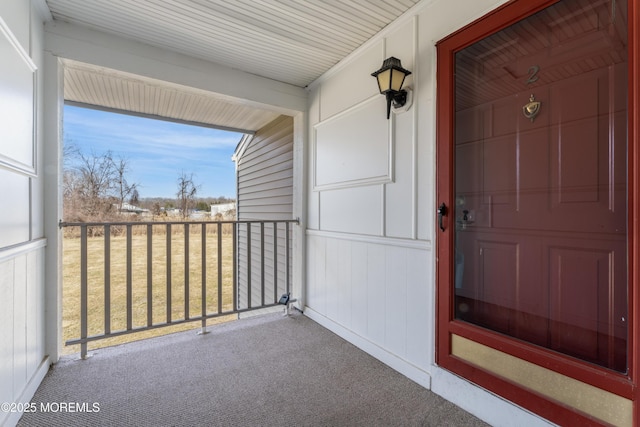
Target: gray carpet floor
(264, 371)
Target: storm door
(538, 207)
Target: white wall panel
(37, 186)
(420, 308)
(400, 194)
(426, 174)
(35, 309)
(15, 14)
(14, 226)
(372, 286)
(6, 333)
(352, 210)
(343, 291)
(351, 149)
(20, 324)
(331, 277)
(16, 102)
(316, 261)
(376, 295)
(313, 198)
(359, 287)
(401, 43)
(396, 300)
(353, 84)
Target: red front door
(540, 187)
(532, 171)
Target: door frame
(446, 326)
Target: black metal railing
(151, 275)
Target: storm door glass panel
(541, 181)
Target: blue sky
(157, 151)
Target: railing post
(234, 245)
(107, 279)
(168, 256)
(219, 254)
(129, 279)
(261, 263)
(275, 261)
(149, 275)
(286, 257)
(187, 230)
(248, 265)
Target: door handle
(442, 211)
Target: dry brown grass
(118, 293)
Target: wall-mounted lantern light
(390, 79)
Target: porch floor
(266, 370)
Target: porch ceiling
(292, 41)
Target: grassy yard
(118, 293)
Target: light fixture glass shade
(390, 79)
(391, 75)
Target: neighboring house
(227, 210)
(483, 241)
(130, 209)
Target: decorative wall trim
(21, 80)
(376, 240)
(13, 251)
(385, 176)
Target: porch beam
(91, 46)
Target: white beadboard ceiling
(292, 41)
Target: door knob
(442, 211)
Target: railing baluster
(83, 290)
(261, 263)
(286, 257)
(129, 280)
(248, 265)
(168, 256)
(203, 295)
(107, 279)
(275, 261)
(149, 274)
(234, 245)
(187, 229)
(220, 267)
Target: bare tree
(97, 183)
(93, 184)
(123, 189)
(186, 193)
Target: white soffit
(99, 87)
(292, 41)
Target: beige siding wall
(265, 192)
(265, 173)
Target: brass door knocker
(532, 108)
